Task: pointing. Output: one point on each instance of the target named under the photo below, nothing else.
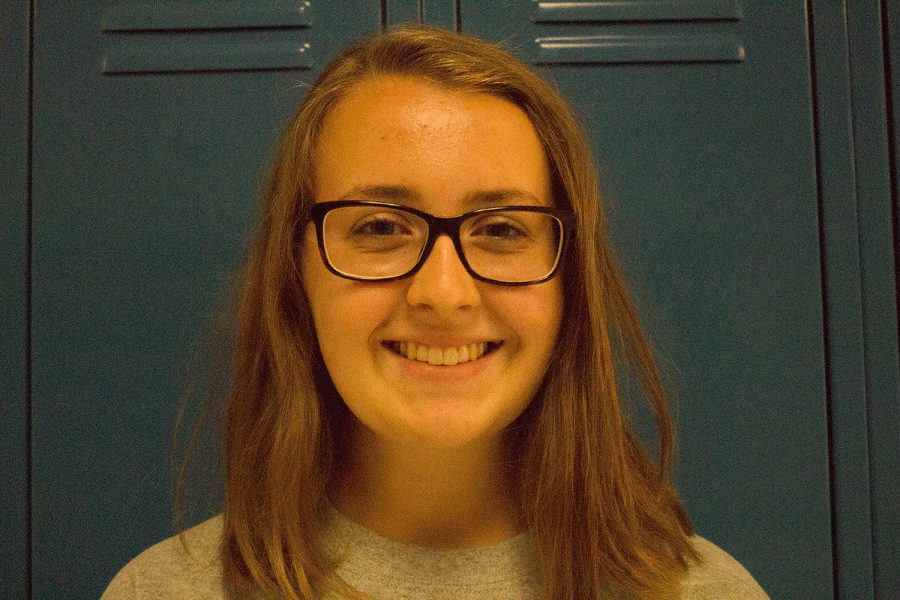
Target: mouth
(441, 356)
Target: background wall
(749, 152)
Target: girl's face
(406, 141)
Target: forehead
(423, 103)
(402, 130)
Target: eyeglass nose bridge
(449, 226)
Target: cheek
(321, 293)
(554, 304)
(551, 320)
(539, 316)
(345, 313)
(535, 319)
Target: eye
(503, 230)
(498, 228)
(382, 225)
(376, 229)
(509, 233)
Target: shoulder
(718, 576)
(185, 566)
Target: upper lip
(441, 341)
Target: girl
(432, 344)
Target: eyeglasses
(506, 245)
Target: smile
(442, 356)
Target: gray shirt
(386, 569)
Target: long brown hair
(604, 515)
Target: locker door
(14, 80)
(151, 125)
(874, 57)
(701, 115)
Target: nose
(442, 283)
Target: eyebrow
(394, 193)
(510, 197)
(478, 199)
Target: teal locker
(14, 175)
(704, 117)
(751, 193)
(152, 122)
(874, 41)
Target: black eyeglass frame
(438, 226)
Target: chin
(451, 434)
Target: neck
(435, 497)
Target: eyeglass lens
(377, 242)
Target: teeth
(435, 356)
(451, 356)
(438, 356)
